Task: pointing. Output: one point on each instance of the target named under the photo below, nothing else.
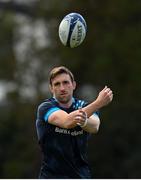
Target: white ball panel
(64, 30)
(78, 35)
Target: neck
(65, 105)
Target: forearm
(64, 120)
(92, 125)
(103, 99)
(70, 121)
(91, 108)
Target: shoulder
(79, 103)
(46, 104)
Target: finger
(110, 92)
(82, 112)
(77, 117)
(111, 97)
(80, 119)
(83, 115)
(107, 90)
(104, 88)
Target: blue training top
(64, 150)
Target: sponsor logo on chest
(67, 131)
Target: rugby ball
(72, 30)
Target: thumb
(104, 88)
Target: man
(64, 124)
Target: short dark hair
(59, 70)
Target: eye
(66, 82)
(56, 84)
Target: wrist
(97, 104)
(85, 123)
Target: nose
(62, 87)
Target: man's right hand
(105, 97)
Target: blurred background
(110, 55)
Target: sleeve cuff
(50, 112)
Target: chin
(64, 100)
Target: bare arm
(93, 124)
(62, 119)
(104, 98)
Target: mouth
(63, 94)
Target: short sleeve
(45, 110)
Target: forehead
(61, 77)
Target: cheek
(53, 90)
(70, 87)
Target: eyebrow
(65, 81)
(56, 83)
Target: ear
(51, 89)
(74, 85)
